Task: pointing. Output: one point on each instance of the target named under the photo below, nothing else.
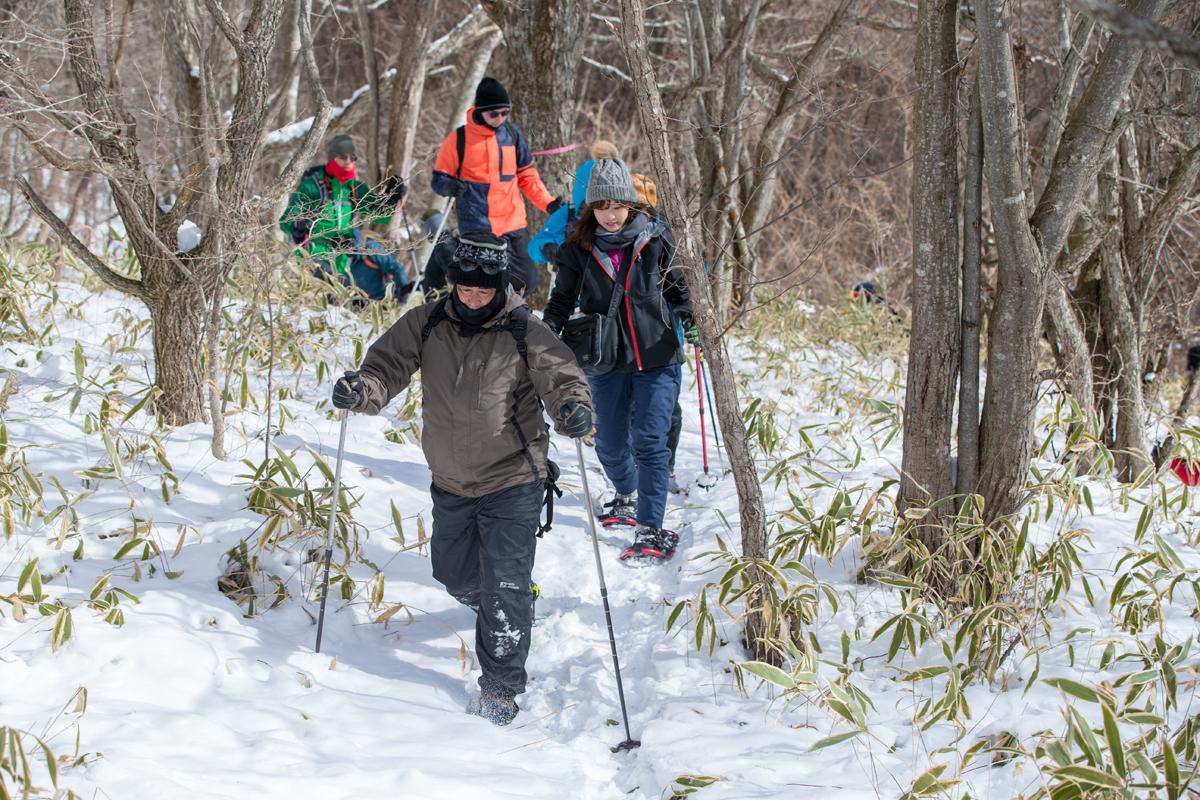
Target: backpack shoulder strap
(437, 315)
(317, 173)
(460, 144)
(519, 321)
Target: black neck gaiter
(477, 317)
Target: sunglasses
(499, 113)
(348, 157)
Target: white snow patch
(295, 130)
(187, 238)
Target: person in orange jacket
(487, 165)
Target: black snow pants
(673, 433)
(482, 551)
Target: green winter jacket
(332, 205)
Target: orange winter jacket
(497, 167)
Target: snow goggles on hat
(488, 257)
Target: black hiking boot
(498, 705)
(621, 510)
(651, 544)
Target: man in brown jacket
(487, 367)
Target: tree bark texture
(366, 35)
(178, 287)
(926, 478)
(408, 88)
(178, 319)
(1025, 247)
(1006, 430)
(655, 129)
(968, 374)
(543, 40)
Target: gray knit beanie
(340, 145)
(610, 180)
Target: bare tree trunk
(408, 88)
(366, 35)
(1133, 448)
(1006, 431)
(968, 387)
(925, 475)
(481, 56)
(1072, 63)
(212, 335)
(542, 43)
(1076, 357)
(291, 96)
(408, 93)
(655, 126)
(217, 191)
(1013, 337)
(178, 318)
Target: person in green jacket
(320, 213)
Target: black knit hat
(489, 94)
(481, 259)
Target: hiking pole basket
(333, 509)
(629, 743)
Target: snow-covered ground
(191, 698)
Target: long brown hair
(584, 233)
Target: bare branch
(56, 157)
(81, 250)
(1124, 22)
(1077, 159)
(1155, 227)
(226, 25)
(291, 173)
(607, 69)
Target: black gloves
(576, 419)
(690, 333)
(349, 391)
(550, 252)
(395, 189)
(301, 229)
(554, 205)
(555, 325)
(455, 187)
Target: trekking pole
(436, 236)
(412, 251)
(707, 482)
(712, 411)
(333, 507)
(629, 742)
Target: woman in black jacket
(619, 245)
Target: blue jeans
(633, 417)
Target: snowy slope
(191, 698)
